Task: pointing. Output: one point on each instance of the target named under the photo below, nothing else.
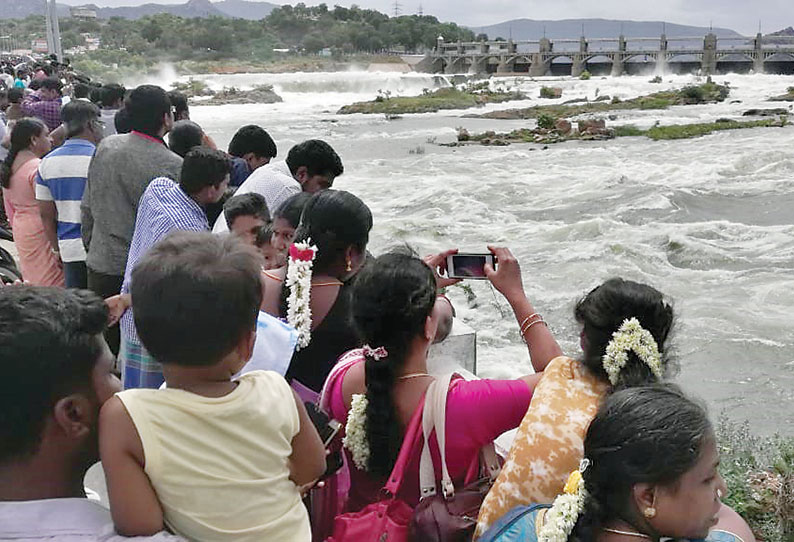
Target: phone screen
(468, 266)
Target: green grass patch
(687, 131)
(705, 93)
(759, 473)
(430, 102)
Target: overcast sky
(740, 15)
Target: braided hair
(21, 138)
(652, 435)
(602, 311)
(392, 299)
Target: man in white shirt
(48, 430)
(310, 166)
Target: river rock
(563, 126)
(765, 112)
(603, 98)
(263, 94)
(463, 134)
(592, 126)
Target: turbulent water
(708, 221)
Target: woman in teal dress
(649, 473)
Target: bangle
(538, 320)
(525, 320)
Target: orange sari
(38, 264)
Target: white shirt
(63, 520)
(273, 181)
(108, 116)
(3, 150)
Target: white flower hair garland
(355, 438)
(631, 336)
(564, 513)
(299, 282)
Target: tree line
(300, 28)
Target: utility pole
(421, 12)
(53, 30)
(398, 9)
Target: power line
(421, 11)
(398, 8)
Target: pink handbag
(389, 519)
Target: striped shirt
(164, 208)
(61, 179)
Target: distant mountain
(789, 32)
(782, 37)
(242, 9)
(528, 29)
(16, 9)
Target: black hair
(602, 311)
(392, 298)
(178, 102)
(183, 284)
(250, 204)
(122, 121)
(51, 83)
(78, 115)
(649, 434)
(49, 343)
(203, 167)
(22, 135)
(147, 105)
(252, 138)
(111, 94)
(95, 95)
(263, 235)
(214, 209)
(292, 208)
(334, 220)
(81, 90)
(15, 95)
(317, 156)
(184, 136)
(35, 84)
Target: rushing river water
(708, 221)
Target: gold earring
(349, 267)
(649, 512)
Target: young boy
(274, 258)
(245, 214)
(209, 457)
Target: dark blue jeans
(75, 275)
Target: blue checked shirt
(164, 207)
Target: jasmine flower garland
(564, 513)
(355, 438)
(299, 283)
(631, 336)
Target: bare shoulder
(117, 430)
(273, 280)
(354, 382)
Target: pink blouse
(477, 413)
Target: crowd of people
(274, 372)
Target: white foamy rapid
(708, 221)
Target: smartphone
(469, 266)
(326, 427)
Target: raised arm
(133, 501)
(307, 462)
(506, 278)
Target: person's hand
(507, 276)
(117, 306)
(438, 263)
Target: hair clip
(375, 353)
(584, 464)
